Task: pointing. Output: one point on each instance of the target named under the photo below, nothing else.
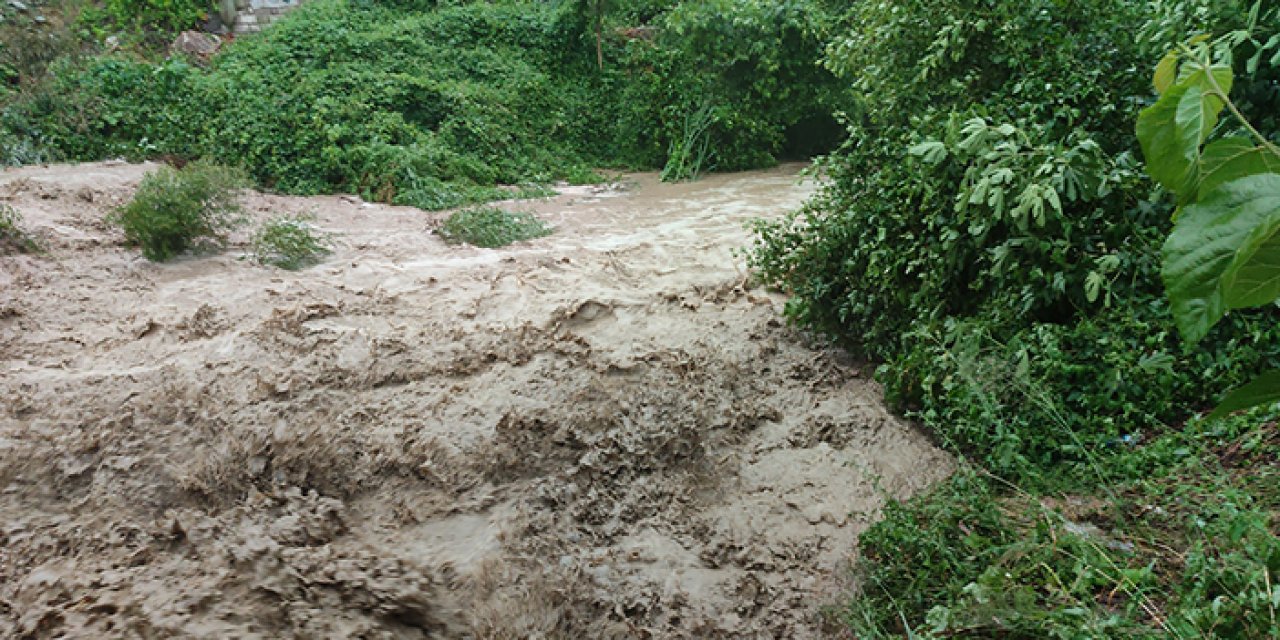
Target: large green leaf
(1197, 115)
(1253, 278)
(1166, 72)
(1265, 389)
(1172, 129)
(1222, 253)
(930, 151)
(1169, 161)
(1230, 158)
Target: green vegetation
(1222, 253)
(290, 243)
(176, 210)
(990, 235)
(1182, 548)
(491, 227)
(31, 39)
(144, 24)
(13, 238)
(436, 106)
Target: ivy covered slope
(991, 235)
(435, 104)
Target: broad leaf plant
(1224, 250)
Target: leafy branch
(1224, 251)
(1218, 92)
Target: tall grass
(688, 154)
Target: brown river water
(609, 432)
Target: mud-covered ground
(605, 433)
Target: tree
(594, 10)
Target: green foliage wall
(752, 65)
(433, 106)
(113, 106)
(392, 104)
(991, 185)
(1017, 188)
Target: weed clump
(13, 239)
(490, 227)
(688, 154)
(290, 243)
(179, 210)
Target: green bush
(490, 227)
(1044, 404)
(290, 243)
(13, 238)
(404, 117)
(1019, 181)
(177, 210)
(744, 73)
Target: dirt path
(603, 433)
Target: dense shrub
(1041, 404)
(990, 191)
(491, 227)
(290, 242)
(397, 105)
(750, 68)
(177, 210)
(113, 106)
(1021, 186)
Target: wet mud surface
(605, 433)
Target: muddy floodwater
(609, 432)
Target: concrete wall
(253, 15)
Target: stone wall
(252, 15)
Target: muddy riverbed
(605, 433)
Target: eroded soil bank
(605, 433)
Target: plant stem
(1239, 116)
(600, 34)
(1206, 67)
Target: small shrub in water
(177, 210)
(490, 227)
(13, 239)
(290, 243)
